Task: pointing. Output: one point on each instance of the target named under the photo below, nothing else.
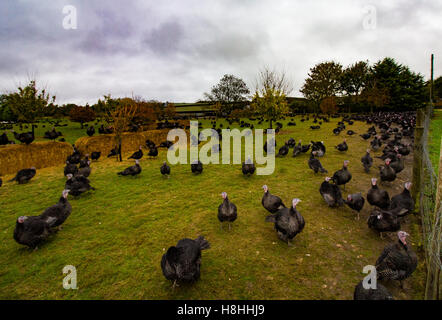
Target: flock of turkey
(181, 263)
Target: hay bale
(15, 157)
(130, 142)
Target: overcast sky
(177, 50)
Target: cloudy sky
(177, 50)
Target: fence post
(417, 154)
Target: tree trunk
(270, 123)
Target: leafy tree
(28, 103)
(122, 116)
(82, 114)
(405, 88)
(229, 91)
(6, 113)
(353, 81)
(324, 80)
(437, 88)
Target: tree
(82, 114)
(437, 88)
(229, 91)
(6, 113)
(405, 88)
(121, 117)
(353, 81)
(328, 105)
(324, 80)
(28, 103)
(169, 111)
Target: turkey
(183, 261)
(32, 230)
(319, 147)
(384, 220)
(227, 211)
(4, 139)
(386, 172)
(365, 136)
(84, 162)
(367, 161)
(397, 261)
(356, 202)
(403, 200)
(377, 197)
(70, 168)
(331, 193)
(84, 171)
(315, 164)
(137, 155)
(284, 150)
(153, 152)
(271, 202)
(95, 155)
(342, 176)
(376, 143)
(52, 135)
(248, 167)
(57, 214)
(271, 146)
(398, 165)
(77, 185)
(342, 146)
(25, 137)
(113, 152)
(75, 157)
(297, 149)
(380, 293)
(288, 222)
(90, 131)
(132, 170)
(305, 148)
(165, 169)
(24, 175)
(196, 167)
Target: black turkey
(319, 147)
(356, 202)
(384, 220)
(380, 293)
(367, 161)
(227, 211)
(365, 136)
(342, 176)
(377, 197)
(165, 169)
(248, 167)
(271, 202)
(137, 155)
(342, 146)
(153, 152)
(84, 171)
(70, 168)
(113, 152)
(25, 137)
(24, 175)
(297, 149)
(84, 162)
(75, 157)
(4, 139)
(95, 155)
(284, 150)
(52, 134)
(386, 172)
(398, 165)
(271, 146)
(32, 230)
(57, 214)
(288, 222)
(397, 261)
(403, 200)
(132, 170)
(77, 185)
(315, 164)
(331, 193)
(376, 143)
(90, 131)
(183, 261)
(196, 167)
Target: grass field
(116, 235)
(435, 138)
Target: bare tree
(270, 79)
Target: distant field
(116, 235)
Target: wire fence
(429, 185)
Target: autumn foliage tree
(82, 114)
(122, 116)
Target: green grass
(435, 138)
(116, 235)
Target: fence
(427, 191)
